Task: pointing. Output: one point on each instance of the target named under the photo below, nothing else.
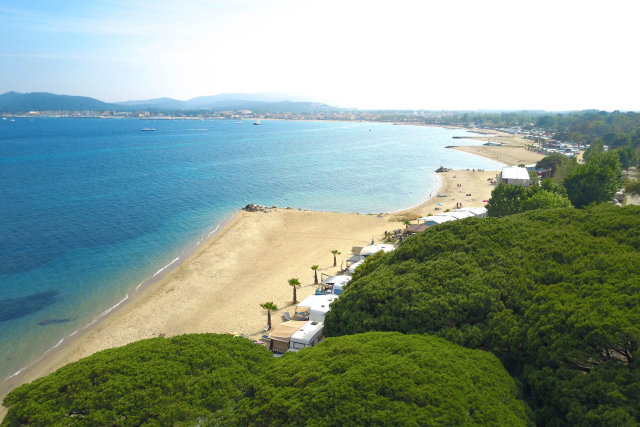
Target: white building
(515, 175)
(480, 212)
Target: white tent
(352, 267)
(318, 306)
(333, 280)
(461, 214)
(437, 219)
(480, 212)
(372, 249)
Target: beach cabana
(352, 267)
(307, 336)
(515, 175)
(318, 305)
(416, 228)
(480, 212)
(354, 258)
(372, 249)
(335, 283)
(437, 219)
(280, 337)
(461, 214)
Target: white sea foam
(167, 266)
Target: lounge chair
(286, 316)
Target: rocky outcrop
(258, 208)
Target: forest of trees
(374, 378)
(554, 294)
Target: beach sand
(512, 152)
(220, 287)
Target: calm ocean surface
(91, 208)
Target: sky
(437, 55)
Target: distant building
(515, 175)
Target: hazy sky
(445, 54)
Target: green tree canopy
(385, 379)
(376, 378)
(553, 293)
(509, 199)
(597, 181)
(157, 381)
(559, 164)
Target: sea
(91, 210)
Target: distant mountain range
(14, 102)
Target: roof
(461, 214)
(307, 331)
(283, 331)
(332, 280)
(417, 228)
(515, 172)
(315, 301)
(372, 249)
(439, 219)
(476, 211)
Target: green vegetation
(335, 253)
(385, 379)
(294, 283)
(559, 164)
(158, 381)
(512, 199)
(376, 378)
(597, 181)
(553, 293)
(269, 306)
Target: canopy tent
(372, 249)
(352, 267)
(479, 212)
(332, 280)
(354, 258)
(281, 335)
(301, 313)
(461, 215)
(338, 288)
(416, 228)
(437, 219)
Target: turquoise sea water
(91, 208)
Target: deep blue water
(90, 208)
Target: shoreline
(129, 297)
(249, 248)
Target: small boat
(149, 129)
(257, 122)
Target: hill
(553, 293)
(375, 378)
(260, 103)
(14, 102)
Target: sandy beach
(220, 287)
(511, 152)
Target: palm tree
(294, 282)
(315, 273)
(335, 252)
(407, 223)
(269, 306)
